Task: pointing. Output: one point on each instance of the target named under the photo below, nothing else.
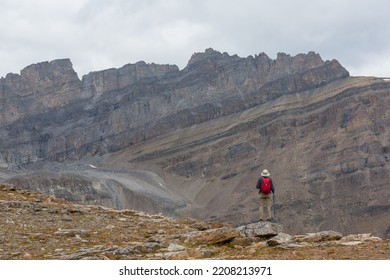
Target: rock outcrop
(207, 131)
(39, 88)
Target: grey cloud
(97, 34)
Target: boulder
(175, 248)
(280, 239)
(360, 237)
(260, 229)
(319, 236)
(214, 236)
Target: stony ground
(36, 226)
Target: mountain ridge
(137, 80)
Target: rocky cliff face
(39, 88)
(208, 130)
(48, 114)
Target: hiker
(265, 187)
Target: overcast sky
(101, 34)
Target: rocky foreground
(36, 226)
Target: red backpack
(265, 186)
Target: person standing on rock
(266, 187)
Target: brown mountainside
(192, 142)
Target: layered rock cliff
(207, 131)
(48, 114)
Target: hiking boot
(268, 220)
